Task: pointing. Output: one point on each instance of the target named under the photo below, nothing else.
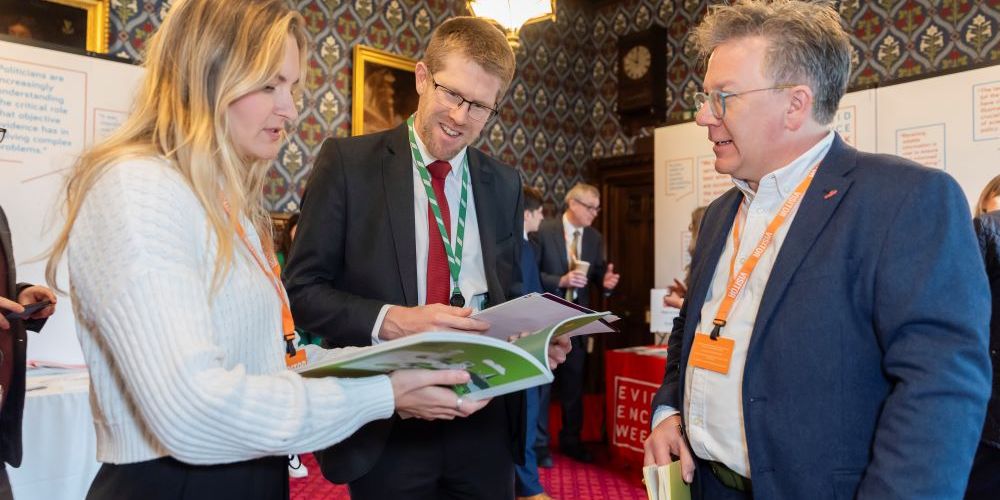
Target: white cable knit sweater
(173, 372)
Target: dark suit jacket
(13, 403)
(867, 372)
(355, 251)
(988, 231)
(553, 262)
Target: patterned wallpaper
(891, 40)
(560, 111)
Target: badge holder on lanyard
(454, 253)
(713, 352)
(293, 357)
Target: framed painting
(81, 24)
(384, 93)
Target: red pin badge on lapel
(829, 194)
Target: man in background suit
(370, 264)
(13, 344)
(564, 245)
(814, 356)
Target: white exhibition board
(53, 105)
(950, 122)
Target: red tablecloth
(632, 377)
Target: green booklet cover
(664, 482)
(496, 366)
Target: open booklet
(664, 482)
(535, 311)
(496, 366)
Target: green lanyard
(454, 255)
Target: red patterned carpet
(568, 480)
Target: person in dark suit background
(527, 485)
(814, 356)
(371, 264)
(984, 481)
(564, 244)
(13, 345)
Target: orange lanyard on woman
(293, 357)
(739, 280)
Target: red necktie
(438, 275)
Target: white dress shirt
(568, 230)
(713, 401)
(472, 279)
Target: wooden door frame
(605, 173)
(635, 168)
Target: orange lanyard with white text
(738, 281)
(293, 357)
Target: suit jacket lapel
(712, 241)
(559, 241)
(812, 216)
(588, 245)
(714, 237)
(481, 177)
(397, 178)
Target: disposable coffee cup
(581, 266)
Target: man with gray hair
(814, 357)
(571, 261)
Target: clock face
(636, 62)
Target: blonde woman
(184, 322)
(989, 199)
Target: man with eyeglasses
(410, 230)
(572, 263)
(815, 355)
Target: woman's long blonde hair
(205, 55)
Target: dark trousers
(166, 478)
(984, 481)
(542, 428)
(459, 459)
(5, 492)
(569, 385)
(527, 482)
(708, 487)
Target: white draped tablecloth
(59, 441)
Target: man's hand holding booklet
(495, 366)
(663, 482)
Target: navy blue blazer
(867, 372)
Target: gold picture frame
(384, 90)
(82, 24)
